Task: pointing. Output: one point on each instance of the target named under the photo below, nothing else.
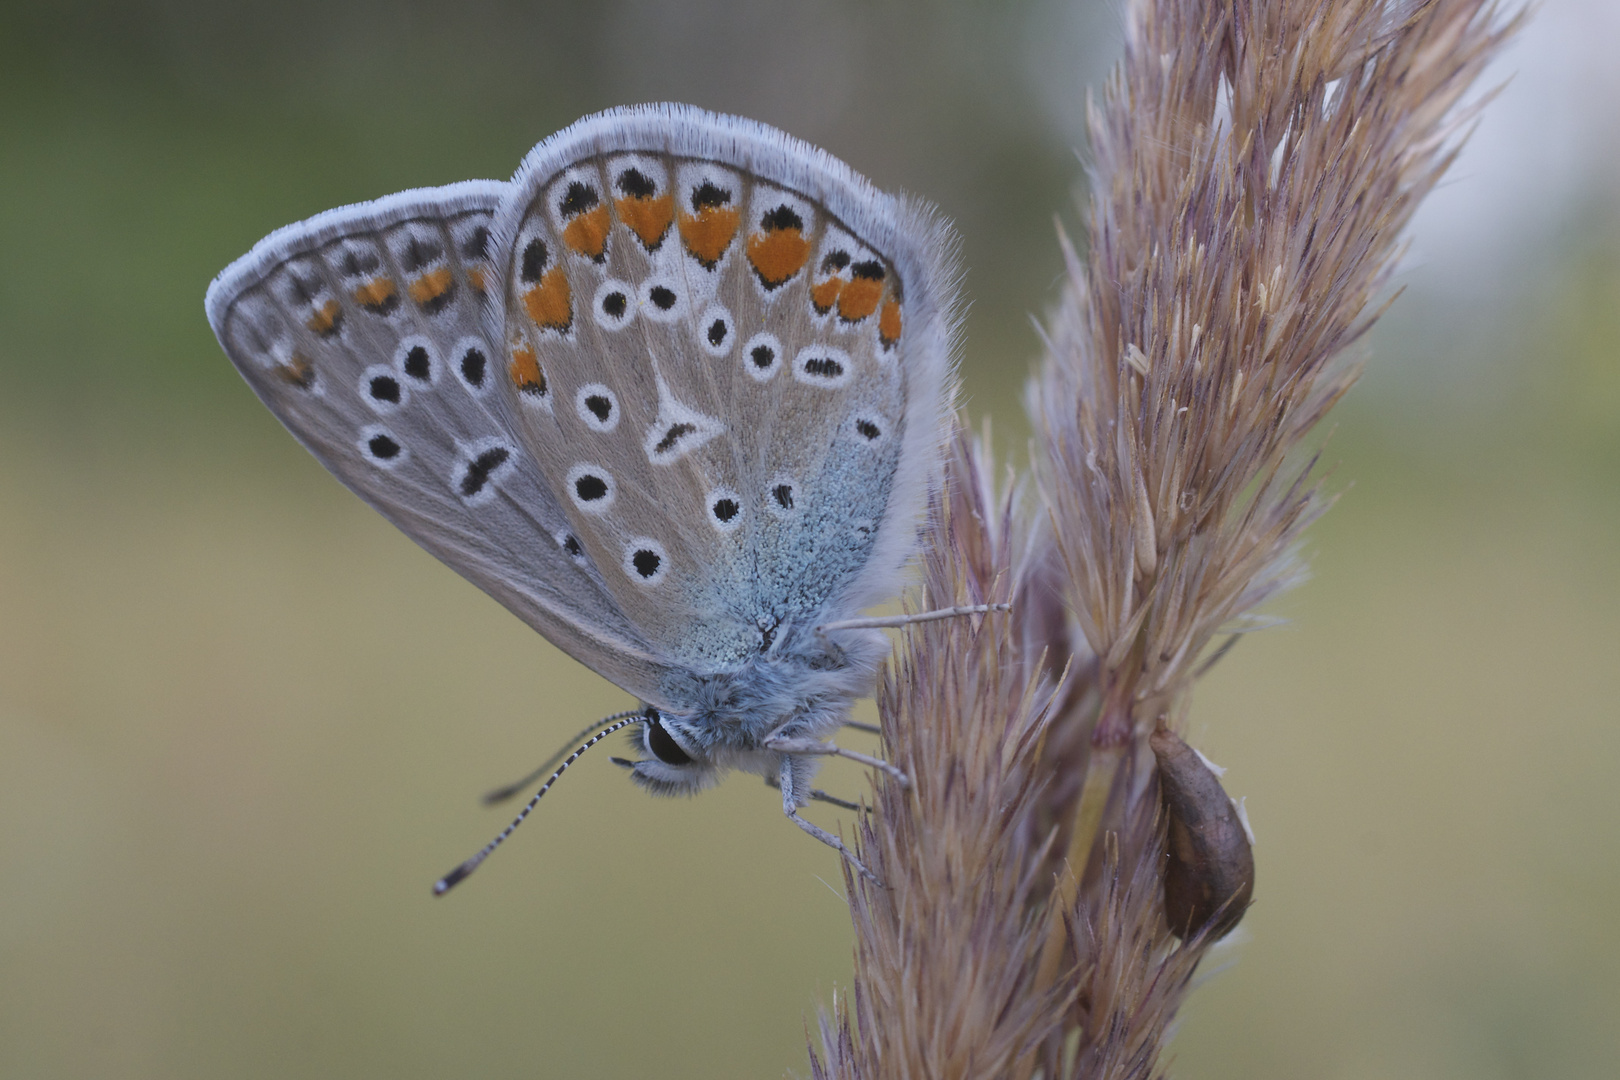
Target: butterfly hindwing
(364, 331)
(730, 356)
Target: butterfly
(676, 395)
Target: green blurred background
(244, 723)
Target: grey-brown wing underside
(363, 331)
(734, 380)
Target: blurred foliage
(243, 723)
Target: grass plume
(1254, 166)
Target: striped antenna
(460, 873)
(517, 787)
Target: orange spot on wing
(296, 371)
(475, 278)
(889, 324)
(859, 299)
(708, 233)
(525, 371)
(378, 294)
(431, 285)
(325, 321)
(778, 255)
(548, 303)
(649, 217)
(824, 295)
(587, 233)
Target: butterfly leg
(880, 621)
(817, 795)
(790, 806)
(812, 747)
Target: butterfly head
(670, 756)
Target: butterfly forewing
(364, 331)
(710, 365)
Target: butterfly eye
(662, 744)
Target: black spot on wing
(646, 562)
(478, 471)
(535, 257)
(476, 246)
(707, 195)
(675, 434)
(358, 261)
(783, 217)
(636, 185)
(417, 253)
(871, 270)
(418, 365)
(384, 388)
(579, 198)
(303, 290)
(823, 367)
(474, 366)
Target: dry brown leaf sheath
(1253, 167)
